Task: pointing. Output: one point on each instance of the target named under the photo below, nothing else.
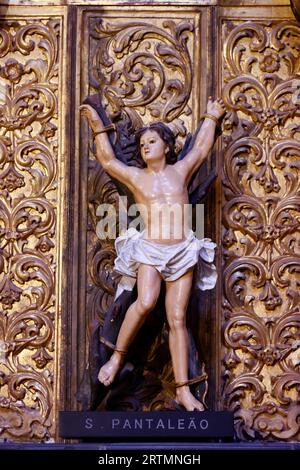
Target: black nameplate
(74, 424)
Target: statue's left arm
(204, 140)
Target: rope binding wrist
(212, 117)
(111, 127)
(122, 352)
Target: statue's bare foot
(185, 398)
(108, 372)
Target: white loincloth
(171, 261)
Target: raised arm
(104, 151)
(204, 140)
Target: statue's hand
(92, 116)
(216, 108)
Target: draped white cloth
(171, 261)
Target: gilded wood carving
(261, 228)
(148, 67)
(29, 57)
(143, 68)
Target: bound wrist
(103, 129)
(212, 117)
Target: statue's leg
(177, 298)
(148, 287)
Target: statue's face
(152, 146)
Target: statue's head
(165, 134)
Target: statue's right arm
(105, 154)
(114, 167)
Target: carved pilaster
(261, 220)
(29, 174)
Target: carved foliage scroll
(143, 67)
(261, 220)
(28, 200)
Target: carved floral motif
(261, 219)
(143, 69)
(28, 180)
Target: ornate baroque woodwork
(261, 220)
(29, 223)
(148, 62)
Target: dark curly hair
(165, 134)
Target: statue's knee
(145, 305)
(177, 321)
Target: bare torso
(163, 202)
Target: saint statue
(166, 251)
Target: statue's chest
(161, 185)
